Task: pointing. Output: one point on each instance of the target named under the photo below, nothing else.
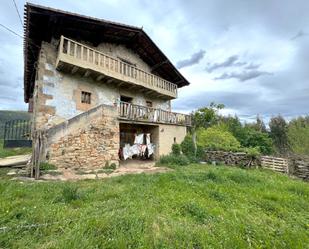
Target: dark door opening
(126, 99)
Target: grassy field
(13, 151)
(197, 206)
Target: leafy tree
(204, 117)
(252, 138)
(298, 135)
(207, 116)
(278, 132)
(233, 125)
(217, 138)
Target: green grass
(13, 151)
(197, 206)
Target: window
(148, 103)
(126, 99)
(86, 97)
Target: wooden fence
(275, 163)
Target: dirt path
(129, 167)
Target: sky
(250, 55)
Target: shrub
(217, 139)
(187, 146)
(176, 149)
(174, 160)
(257, 139)
(110, 166)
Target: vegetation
(176, 149)
(13, 151)
(217, 139)
(47, 166)
(11, 115)
(298, 135)
(198, 206)
(174, 160)
(278, 132)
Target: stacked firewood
(300, 166)
(231, 158)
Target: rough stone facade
(80, 135)
(57, 94)
(89, 141)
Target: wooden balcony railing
(80, 55)
(148, 114)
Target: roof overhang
(43, 24)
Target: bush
(174, 160)
(176, 149)
(216, 138)
(187, 146)
(257, 139)
(110, 166)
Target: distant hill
(11, 115)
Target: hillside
(11, 115)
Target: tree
(252, 138)
(204, 117)
(207, 116)
(217, 138)
(298, 135)
(278, 133)
(233, 125)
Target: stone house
(92, 84)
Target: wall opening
(128, 132)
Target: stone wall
(231, 158)
(88, 141)
(57, 94)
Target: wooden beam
(158, 65)
(87, 73)
(74, 70)
(100, 77)
(109, 81)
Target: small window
(86, 97)
(148, 103)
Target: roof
(44, 23)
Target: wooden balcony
(74, 57)
(128, 111)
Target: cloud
(253, 66)
(230, 61)
(242, 76)
(194, 59)
(257, 35)
(300, 34)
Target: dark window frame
(85, 97)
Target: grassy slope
(193, 207)
(11, 115)
(13, 151)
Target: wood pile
(300, 166)
(231, 158)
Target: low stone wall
(231, 158)
(88, 141)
